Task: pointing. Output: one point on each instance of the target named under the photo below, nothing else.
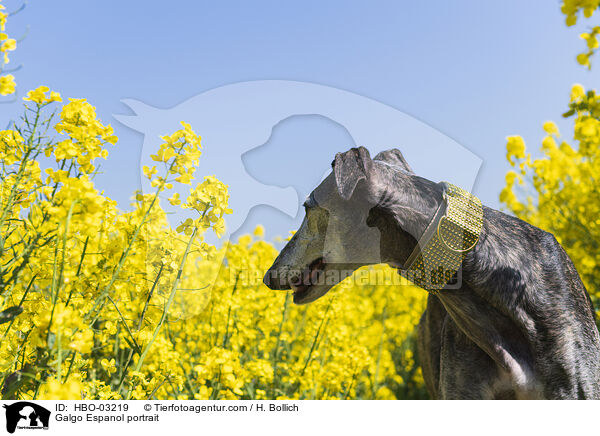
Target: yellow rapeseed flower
(7, 84)
(515, 147)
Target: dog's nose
(273, 280)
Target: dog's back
(567, 336)
(537, 337)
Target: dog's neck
(403, 213)
(482, 307)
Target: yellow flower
(7, 84)
(3, 16)
(591, 40)
(515, 147)
(38, 96)
(510, 178)
(550, 128)
(82, 341)
(259, 231)
(149, 172)
(583, 59)
(55, 96)
(577, 92)
(109, 365)
(186, 178)
(9, 44)
(86, 135)
(72, 389)
(175, 200)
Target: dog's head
(367, 211)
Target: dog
(518, 325)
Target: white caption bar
(284, 418)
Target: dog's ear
(394, 157)
(349, 168)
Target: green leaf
(568, 113)
(10, 314)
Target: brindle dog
(519, 325)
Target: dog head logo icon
(24, 414)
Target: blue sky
(474, 71)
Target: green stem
(226, 335)
(85, 244)
(277, 344)
(163, 317)
(20, 174)
(316, 338)
(59, 360)
(124, 322)
(139, 327)
(141, 321)
(380, 351)
(20, 303)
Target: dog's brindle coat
(520, 326)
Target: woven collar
(453, 231)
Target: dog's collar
(453, 231)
